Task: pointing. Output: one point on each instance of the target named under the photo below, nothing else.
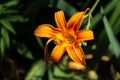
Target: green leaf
(2, 47)
(77, 77)
(5, 36)
(11, 3)
(8, 26)
(37, 71)
(116, 27)
(16, 18)
(115, 15)
(40, 42)
(108, 8)
(101, 38)
(24, 51)
(7, 11)
(59, 73)
(50, 74)
(2, 9)
(66, 7)
(113, 41)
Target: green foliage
(2, 50)
(113, 41)
(23, 50)
(5, 37)
(18, 20)
(8, 26)
(108, 8)
(37, 71)
(8, 16)
(68, 9)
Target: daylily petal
(85, 35)
(75, 66)
(60, 19)
(76, 53)
(58, 52)
(48, 31)
(76, 20)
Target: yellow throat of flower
(68, 38)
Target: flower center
(68, 38)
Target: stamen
(57, 41)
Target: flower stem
(90, 13)
(93, 7)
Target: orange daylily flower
(67, 36)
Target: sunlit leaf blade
(8, 26)
(37, 71)
(5, 37)
(113, 41)
(23, 50)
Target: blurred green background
(22, 53)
